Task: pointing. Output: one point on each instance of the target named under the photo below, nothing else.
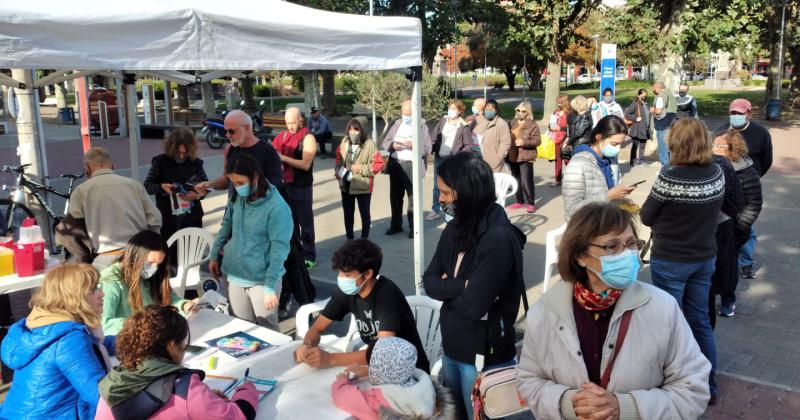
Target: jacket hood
(743, 163)
(445, 407)
(22, 345)
(121, 384)
(415, 400)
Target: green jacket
(116, 307)
(370, 159)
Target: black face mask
(449, 210)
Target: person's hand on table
(359, 371)
(270, 301)
(220, 394)
(318, 358)
(595, 403)
(191, 306)
(213, 267)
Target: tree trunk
(183, 97)
(551, 88)
(208, 99)
(247, 93)
(329, 93)
(511, 76)
(668, 70)
(774, 75)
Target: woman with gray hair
(581, 128)
(525, 138)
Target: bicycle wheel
(11, 217)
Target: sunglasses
(232, 131)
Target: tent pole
(129, 80)
(170, 117)
(82, 97)
(121, 106)
(416, 121)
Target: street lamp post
(595, 37)
(780, 53)
(454, 6)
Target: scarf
(121, 384)
(602, 162)
(286, 144)
(592, 301)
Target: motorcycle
(214, 128)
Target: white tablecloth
(13, 283)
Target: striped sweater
(682, 210)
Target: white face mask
(148, 270)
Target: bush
(743, 75)
(345, 84)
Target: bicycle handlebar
(18, 169)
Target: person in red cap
(759, 149)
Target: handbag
(495, 394)
(546, 150)
(566, 147)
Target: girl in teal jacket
(255, 232)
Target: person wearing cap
(759, 149)
(663, 111)
(321, 129)
(397, 388)
(686, 104)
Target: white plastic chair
(194, 249)
(551, 252)
(302, 321)
(426, 313)
(505, 186)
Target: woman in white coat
(601, 345)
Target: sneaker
(432, 216)
(310, 264)
(727, 310)
(283, 313)
(748, 273)
(530, 208)
(515, 206)
(555, 184)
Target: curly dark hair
(147, 333)
(361, 255)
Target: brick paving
(745, 399)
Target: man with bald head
(297, 147)
(400, 145)
(112, 208)
(239, 131)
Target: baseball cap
(315, 109)
(740, 105)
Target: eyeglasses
(614, 248)
(232, 131)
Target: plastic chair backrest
(551, 253)
(194, 247)
(505, 186)
(426, 313)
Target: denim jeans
(460, 377)
(663, 148)
(436, 207)
(747, 251)
(689, 284)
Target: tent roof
(202, 35)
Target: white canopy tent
(162, 37)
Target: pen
(246, 373)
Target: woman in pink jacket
(398, 388)
(150, 383)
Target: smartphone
(636, 184)
(195, 349)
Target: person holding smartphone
(589, 177)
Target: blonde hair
(528, 107)
(689, 143)
(579, 104)
(737, 148)
(97, 156)
(64, 292)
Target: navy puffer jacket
(56, 372)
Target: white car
(584, 78)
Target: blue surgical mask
(475, 110)
(243, 190)
(611, 151)
(148, 270)
(348, 285)
(619, 271)
(608, 99)
(490, 114)
(449, 210)
(452, 114)
(738, 120)
(407, 119)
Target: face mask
(490, 114)
(149, 270)
(738, 120)
(452, 114)
(180, 160)
(619, 271)
(407, 119)
(475, 110)
(348, 285)
(355, 138)
(611, 151)
(643, 98)
(608, 99)
(243, 190)
(682, 94)
(449, 210)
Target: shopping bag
(546, 150)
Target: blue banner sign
(608, 69)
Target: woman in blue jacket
(56, 352)
(255, 232)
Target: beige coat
(659, 373)
(496, 142)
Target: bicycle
(13, 210)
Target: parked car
(584, 78)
